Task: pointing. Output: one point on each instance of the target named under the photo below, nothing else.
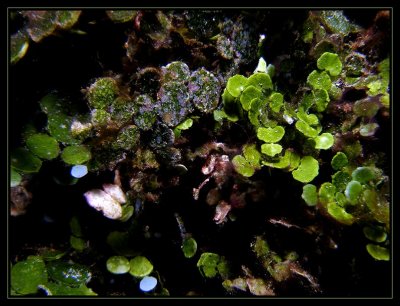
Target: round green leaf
(77, 243)
(340, 179)
(353, 190)
(305, 129)
(330, 62)
(319, 80)
(27, 275)
(378, 252)
(324, 141)
(236, 85)
(252, 155)
(271, 149)
(376, 234)
(59, 126)
(208, 264)
(340, 214)
(363, 174)
(289, 161)
(366, 108)
(24, 161)
(248, 94)
(189, 247)
(242, 166)
(321, 97)
(260, 80)
(15, 178)
(339, 161)
(271, 135)
(276, 101)
(118, 264)
(127, 212)
(327, 193)
(102, 92)
(140, 266)
(76, 155)
(68, 273)
(43, 146)
(307, 170)
(309, 194)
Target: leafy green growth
(127, 212)
(270, 135)
(363, 174)
(353, 191)
(288, 161)
(249, 93)
(319, 80)
(260, 247)
(127, 138)
(100, 117)
(15, 178)
(276, 101)
(327, 193)
(368, 129)
(261, 81)
(140, 266)
(68, 273)
(236, 85)
(175, 71)
(378, 252)
(247, 164)
(340, 180)
(336, 22)
(340, 214)
(375, 233)
(76, 155)
(102, 92)
(307, 170)
(43, 146)
(189, 247)
(174, 102)
(59, 126)
(339, 161)
(310, 195)
(27, 275)
(52, 254)
(330, 62)
(212, 264)
(204, 89)
(321, 98)
(118, 265)
(271, 149)
(24, 161)
(366, 108)
(324, 141)
(185, 125)
(306, 129)
(77, 243)
(341, 199)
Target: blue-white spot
(148, 283)
(79, 171)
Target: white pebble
(148, 283)
(79, 171)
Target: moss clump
(204, 90)
(102, 92)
